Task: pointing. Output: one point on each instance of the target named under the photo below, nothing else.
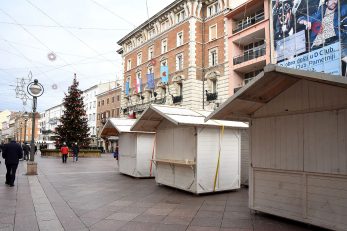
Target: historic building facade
(177, 57)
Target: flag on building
(139, 83)
(127, 87)
(150, 80)
(164, 73)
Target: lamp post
(26, 117)
(35, 89)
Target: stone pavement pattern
(92, 195)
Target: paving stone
(207, 221)
(123, 216)
(150, 218)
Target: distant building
(108, 105)
(48, 123)
(90, 104)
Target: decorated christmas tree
(74, 123)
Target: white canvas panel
(127, 144)
(145, 146)
(207, 158)
(165, 174)
(184, 177)
(127, 165)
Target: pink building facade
(248, 25)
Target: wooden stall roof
(265, 87)
(155, 114)
(115, 126)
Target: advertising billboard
(310, 34)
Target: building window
(108, 100)
(212, 9)
(129, 47)
(179, 62)
(93, 116)
(213, 32)
(250, 75)
(99, 104)
(180, 16)
(139, 58)
(164, 25)
(98, 116)
(163, 46)
(213, 57)
(163, 63)
(90, 105)
(129, 64)
(117, 112)
(118, 98)
(150, 70)
(179, 39)
(102, 102)
(94, 103)
(150, 53)
(139, 40)
(151, 33)
(113, 111)
(112, 99)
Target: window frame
(164, 45)
(179, 39)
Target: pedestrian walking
(64, 150)
(26, 150)
(11, 152)
(75, 151)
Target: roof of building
(155, 114)
(265, 87)
(147, 22)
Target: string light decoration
(52, 56)
(21, 87)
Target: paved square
(92, 195)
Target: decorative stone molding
(212, 75)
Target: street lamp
(26, 117)
(35, 89)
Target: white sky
(82, 33)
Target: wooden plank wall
(299, 155)
(245, 158)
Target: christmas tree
(74, 122)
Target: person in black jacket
(11, 152)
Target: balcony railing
(143, 106)
(252, 54)
(176, 99)
(249, 22)
(211, 96)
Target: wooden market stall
(135, 148)
(191, 154)
(298, 150)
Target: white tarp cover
(121, 124)
(182, 116)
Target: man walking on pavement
(64, 152)
(11, 152)
(26, 150)
(75, 151)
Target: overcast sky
(82, 33)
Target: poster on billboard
(310, 34)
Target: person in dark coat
(75, 151)
(11, 152)
(26, 150)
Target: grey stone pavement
(92, 195)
